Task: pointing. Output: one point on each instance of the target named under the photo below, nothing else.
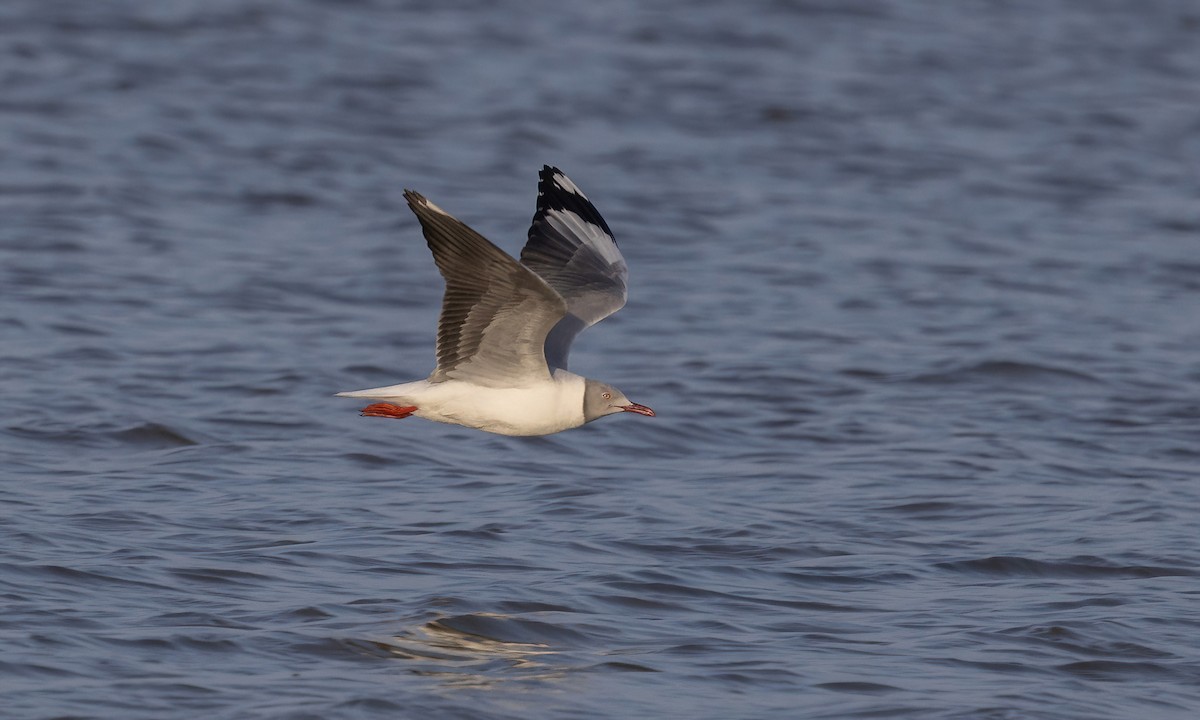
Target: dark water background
(914, 293)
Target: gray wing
(572, 249)
(496, 313)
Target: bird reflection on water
(466, 659)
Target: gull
(506, 327)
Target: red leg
(387, 410)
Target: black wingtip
(556, 191)
(546, 176)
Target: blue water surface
(913, 292)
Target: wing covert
(496, 313)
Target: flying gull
(506, 327)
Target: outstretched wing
(496, 313)
(572, 249)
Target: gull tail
(388, 392)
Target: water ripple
(927, 423)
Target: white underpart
(565, 183)
(542, 409)
(568, 222)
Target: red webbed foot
(387, 410)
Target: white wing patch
(565, 183)
(569, 223)
(435, 208)
(429, 204)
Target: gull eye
(606, 395)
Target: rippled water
(914, 293)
